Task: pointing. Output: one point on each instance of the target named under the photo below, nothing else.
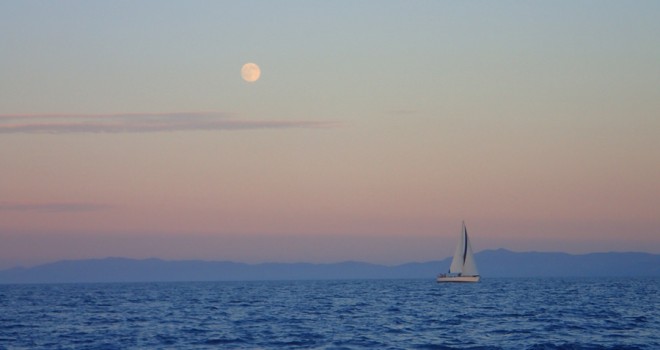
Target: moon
(250, 72)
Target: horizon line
(315, 263)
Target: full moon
(250, 72)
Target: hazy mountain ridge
(492, 263)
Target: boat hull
(459, 279)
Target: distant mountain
(492, 263)
(148, 270)
(505, 263)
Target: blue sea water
(595, 313)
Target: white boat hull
(464, 279)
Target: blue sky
(376, 121)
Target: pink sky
(369, 136)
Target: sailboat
(463, 267)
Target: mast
(465, 242)
(469, 264)
(460, 254)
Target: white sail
(457, 261)
(469, 265)
(463, 262)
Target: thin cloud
(140, 123)
(403, 111)
(53, 207)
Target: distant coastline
(492, 263)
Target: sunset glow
(126, 130)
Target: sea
(497, 313)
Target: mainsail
(463, 262)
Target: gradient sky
(376, 127)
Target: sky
(375, 128)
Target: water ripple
(417, 314)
